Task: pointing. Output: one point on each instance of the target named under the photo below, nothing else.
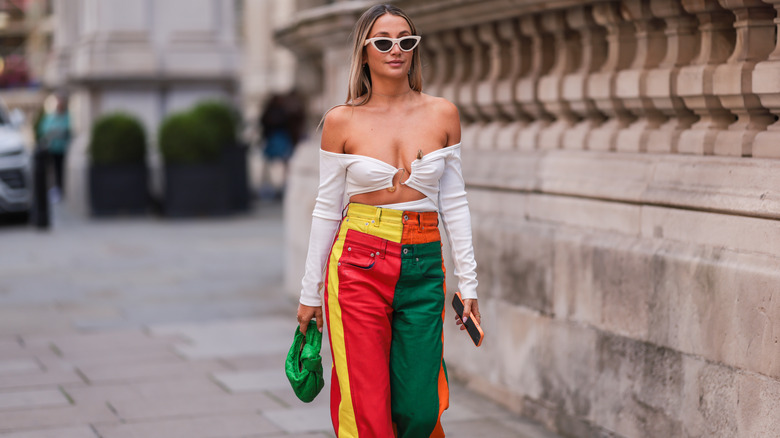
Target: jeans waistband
(377, 215)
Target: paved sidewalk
(151, 328)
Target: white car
(16, 191)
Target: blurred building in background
(144, 57)
(268, 67)
(621, 158)
(147, 58)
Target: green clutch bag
(304, 363)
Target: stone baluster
(593, 48)
(733, 80)
(767, 87)
(526, 92)
(632, 83)
(517, 54)
(487, 89)
(681, 47)
(479, 58)
(695, 81)
(621, 43)
(437, 64)
(567, 60)
(460, 67)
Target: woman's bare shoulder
(440, 106)
(335, 128)
(447, 116)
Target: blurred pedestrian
(54, 133)
(393, 153)
(282, 129)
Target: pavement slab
(297, 420)
(71, 416)
(132, 371)
(174, 388)
(33, 380)
(18, 366)
(68, 432)
(246, 337)
(220, 426)
(41, 398)
(193, 406)
(248, 381)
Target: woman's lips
(396, 63)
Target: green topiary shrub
(184, 138)
(117, 138)
(221, 116)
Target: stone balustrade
(631, 76)
(655, 78)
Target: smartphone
(472, 326)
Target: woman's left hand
(470, 310)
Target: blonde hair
(359, 74)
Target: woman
(394, 153)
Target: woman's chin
(393, 73)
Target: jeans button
(406, 251)
(406, 218)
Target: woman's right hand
(305, 314)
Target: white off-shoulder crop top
(367, 174)
(437, 175)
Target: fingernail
(320, 329)
(465, 319)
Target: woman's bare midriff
(402, 193)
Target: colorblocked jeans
(384, 303)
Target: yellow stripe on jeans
(347, 424)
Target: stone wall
(622, 164)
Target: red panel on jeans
(368, 270)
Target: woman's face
(395, 63)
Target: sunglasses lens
(383, 45)
(407, 44)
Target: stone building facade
(145, 57)
(621, 158)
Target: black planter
(234, 162)
(118, 189)
(196, 190)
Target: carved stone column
(602, 86)
(681, 47)
(495, 68)
(478, 59)
(575, 85)
(437, 64)
(733, 80)
(460, 67)
(567, 60)
(695, 81)
(542, 58)
(766, 85)
(516, 58)
(632, 83)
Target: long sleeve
(454, 211)
(324, 225)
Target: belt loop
(344, 211)
(377, 216)
(384, 248)
(420, 225)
